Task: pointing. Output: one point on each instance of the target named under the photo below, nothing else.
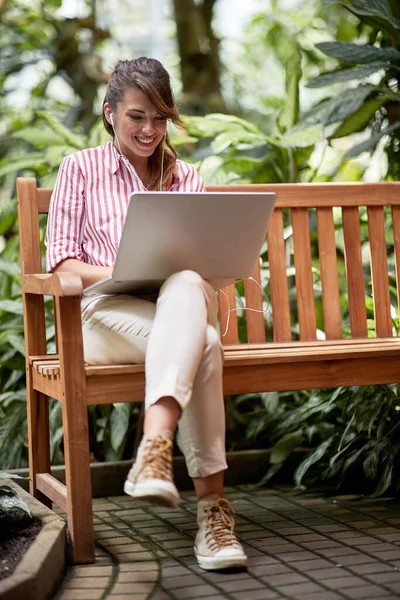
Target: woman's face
(138, 125)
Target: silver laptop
(217, 234)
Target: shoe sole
(153, 493)
(210, 563)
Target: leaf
(358, 53)
(285, 446)
(54, 155)
(376, 13)
(385, 480)
(17, 342)
(4, 475)
(360, 119)
(10, 268)
(205, 127)
(347, 74)
(242, 165)
(31, 161)
(234, 137)
(290, 112)
(119, 424)
(76, 141)
(39, 137)
(180, 140)
(338, 107)
(232, 119)
(12, 306)
(371, 143)
(302, 138)
(311, 459)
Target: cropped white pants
(177, 339)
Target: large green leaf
(234, 137)
(17, 342)
(372, 142)
(30, 161)
(206, 127)
(358, 53)
(376, 13)
(54, 155)
(119, 423)
(302, 138)
(12, 306)
(360, 119)
(242, 165)
(290, 112)
(285, 446)
(339, 106)
(235, 121)
(312, 459)
(348, 74)
(39, 137)
(72, 139)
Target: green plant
(374, 106)
(349, 435)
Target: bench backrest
(326, 261)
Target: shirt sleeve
(191, 180)
(66, 215)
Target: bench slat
(354, 272)
(254, 300)
(396, 236)
(278, 278)
(304, 280)
(232, 334)
(379, 270)
(329, 274)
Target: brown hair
(149, 76)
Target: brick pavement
(300, 547)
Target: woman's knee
(213, 348)
(185, 278)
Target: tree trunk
(199, 54)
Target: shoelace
(220, 525)
(157, 459)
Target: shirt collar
(113, 162)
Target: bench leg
(77, 479)
(76, 429)
(38, 439)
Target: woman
(175, 336)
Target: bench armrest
(55, 284)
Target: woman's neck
(140, 164)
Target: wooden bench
(293, 358)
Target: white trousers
(177, 339)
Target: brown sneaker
(150, 478)
(216, 545)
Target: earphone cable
(230, 310)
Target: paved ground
(300, 547)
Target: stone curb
(43, 565)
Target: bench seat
(270, 366)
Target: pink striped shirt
(89, 203)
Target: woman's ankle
(162, 416)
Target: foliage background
(295, 100)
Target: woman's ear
(108, 111)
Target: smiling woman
(174, 333)
(136, 108)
